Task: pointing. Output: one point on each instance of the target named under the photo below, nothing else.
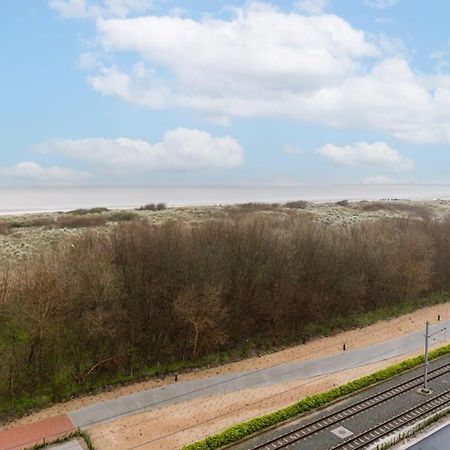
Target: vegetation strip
(245, 429)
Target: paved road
(69, 445)
(437, 441)
(182, 391)
(27, 435)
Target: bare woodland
(103, 305)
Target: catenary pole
(425, 378)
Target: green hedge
(245, 429)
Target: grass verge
(245, 429)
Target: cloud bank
(381, 4)
(80, 9)
(264, 62)
(378, 154)
(180, 149)
(30, 171)
(312, 6)
(378, 179)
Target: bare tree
(204, 311)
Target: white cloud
(89, 60)
(292, 150)
(74, 9)
(30, 171)
(384, 20)
(180, 149)
(99, 9)
(378, 179)
(264, 62)
(312, 6)
(378, 154)
(381, 4)
(178, 12)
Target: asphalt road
(68, 445)
(296, 370)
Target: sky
(202, 92)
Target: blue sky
(224, 92)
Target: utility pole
(425, 378)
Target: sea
(19, 200)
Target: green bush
(242, 430)
(299, 204)
(83, 212)
(80, 221)
(152, 207)
(123, 216)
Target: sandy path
(357, 338)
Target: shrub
(148, 207)
(80, 221)
(414, 210)
(123, 216)
(62, 221)
(40, 222)
(5, 227)
(299, 204)
(252, 206)
(83, 212)
(342, 203)
(152, 207)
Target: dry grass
(411, 209)
(254, 207)
(21, 236)
(80, 221)
(5, 227)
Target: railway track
(395, 423)
(303, 431)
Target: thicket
(83, 212)
(104, 307)
(152, 207)
(298, 204)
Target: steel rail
(326, 421)
(395, 423)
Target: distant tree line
(106, 304)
